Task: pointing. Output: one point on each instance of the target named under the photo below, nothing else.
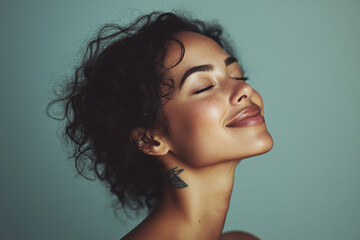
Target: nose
(241, 93)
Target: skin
(202, 144)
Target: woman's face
(208, 98)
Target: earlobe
(150, 142)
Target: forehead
(199, 50)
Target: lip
(250, 116)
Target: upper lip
(245, 113)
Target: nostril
(243, 96)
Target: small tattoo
(174, 180)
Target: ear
(151, 142)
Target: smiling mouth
(250, 116)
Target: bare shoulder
(238, 235)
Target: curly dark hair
(119, 86)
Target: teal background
(302, 56)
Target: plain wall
(302, 56)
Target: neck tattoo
(174, 180)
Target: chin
(264, 145)
(260, 147)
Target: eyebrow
(204, 68)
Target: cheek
(192, 123)
(192, 118)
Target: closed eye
(211, 86)
(204, 89)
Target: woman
(162, 110)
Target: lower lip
(250, 121)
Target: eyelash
(211, 86)
(242, 78)
(204, 89)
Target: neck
(200, 208)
